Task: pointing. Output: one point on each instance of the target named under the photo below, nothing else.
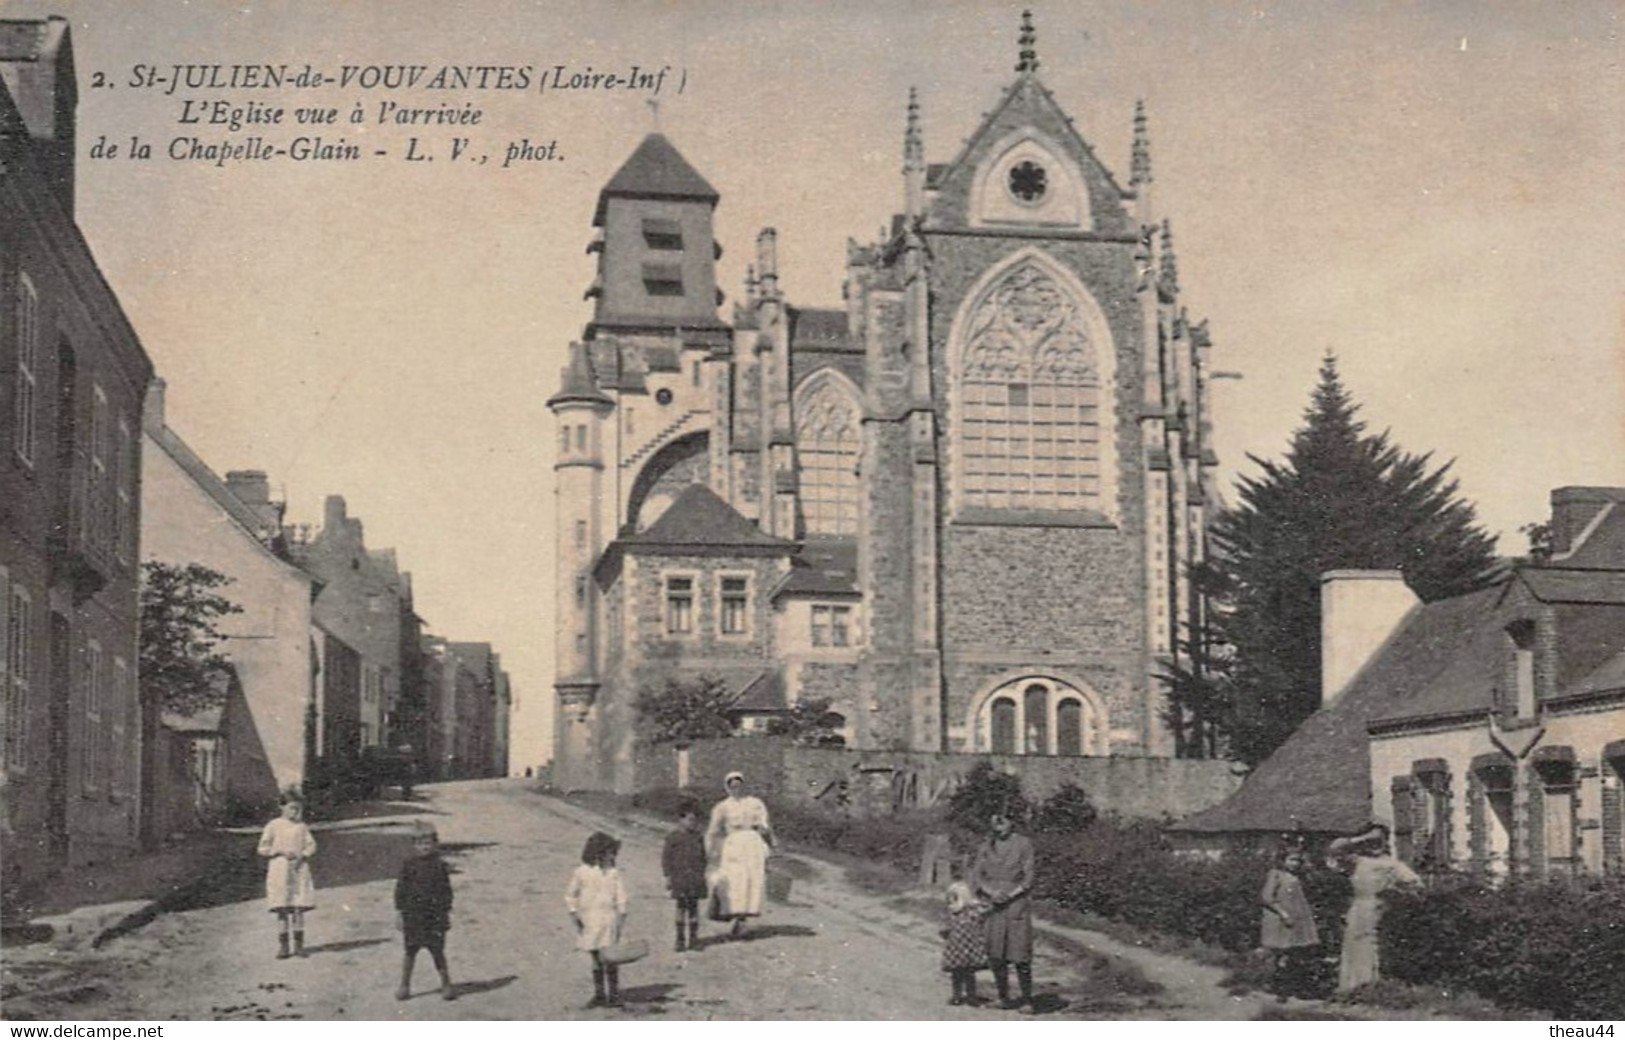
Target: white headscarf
(730, 778)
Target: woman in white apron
(737, 844)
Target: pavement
(833, 951)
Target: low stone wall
(872, 782)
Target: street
(831, 952)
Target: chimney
(1574, 509)
(333, 514)
(153, 413)
(36, 63)
(1359, 610)
(253, 490)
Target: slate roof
(825, 567)
(820, 329)
(1607, 677)
(699, 518)
(576, 381)
(1320, 779)
(762, 694)
(1562, 585)
(656, 169)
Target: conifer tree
(1341, 498)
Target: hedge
(1557, 947)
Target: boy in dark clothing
(423, 909)
(683, 860)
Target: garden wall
(873, 782)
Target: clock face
(1028, 182)
(663, 396)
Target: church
(961, 507)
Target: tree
(1341, 498)
(686, 710)
(986, 791)
(180, 667)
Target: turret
(913, 160)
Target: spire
(1028, 39)
(1170, 266)
(1140, 165)
(913, 141)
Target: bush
(1067, 811)
(984, 792)
(1555, 947)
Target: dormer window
(659, 233)
(1522, 695)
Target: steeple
(1027, 62)
(913, 159)
(1140, 164)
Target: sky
(1431, 191)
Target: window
(827, 450)
(564, 439)
(1029, 386)
(679, 605)
(581, 534)
(581, 590)
(662, 234)
(831, 625)
(1047, 717)
(94, 515)
(1004, 726)
(123, 507)
(663, 279)
(90, 745)
(118, 757)
(1522, 634)
(694, 373)
(735, 606)
(581, 437)
(16, 670)
(1028, 182)
(25, 425)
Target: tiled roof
(824, 567)
(1605, 678)
(1604, 549)
(699, 518)
(656, 169)
(1320, 779)
(820, 329)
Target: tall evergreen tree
(1341, 498)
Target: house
(72, 377)
(231, 525)
(1486, 730)
(961, 506)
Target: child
(596, 899)
(423, 909)
(289, 888)
(1287, 928)
(964, 949)
(683, 860)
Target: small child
(596, 899)
(964, 934)
(289, 888)
(423, 909)
(683, 861)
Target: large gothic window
(1030, 427)
(827, 451)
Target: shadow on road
(775, 931)
(654, 993)
(465, 989)
(1049, 1003)
(347, 944)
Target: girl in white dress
(737, 843)
(596, 899)
(289, 889)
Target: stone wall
(877, 781)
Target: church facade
(961, 507)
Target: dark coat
(683, 860)
(423, 896)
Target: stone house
(231, 525)
(72, 377)
(961, 506)
(1487, 730)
